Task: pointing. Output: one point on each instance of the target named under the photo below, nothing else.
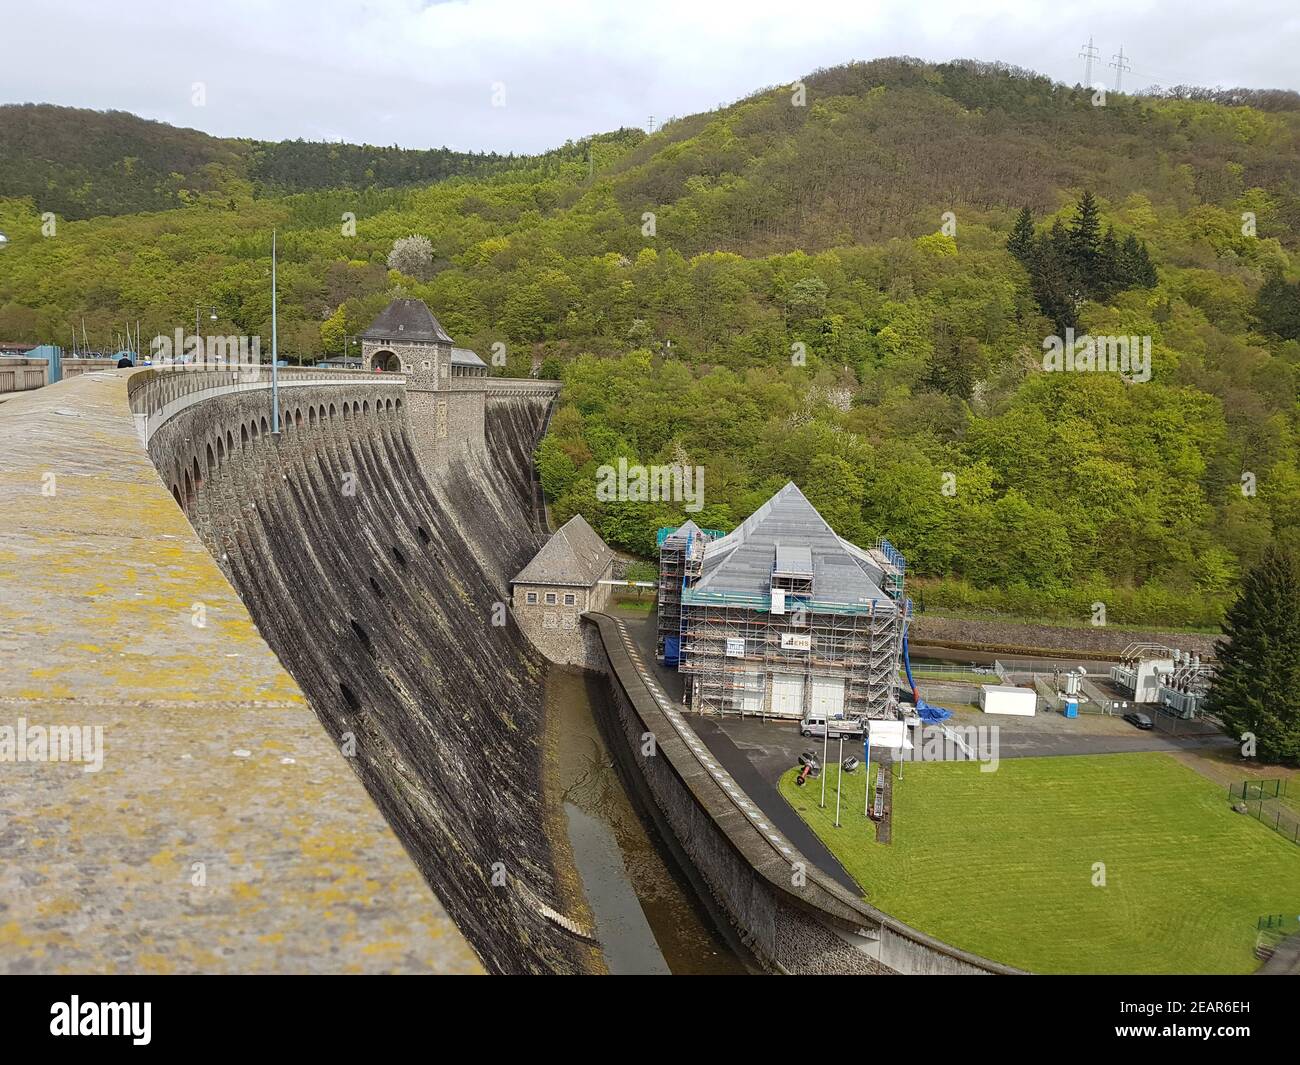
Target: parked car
(838, 726)
(1138, 720)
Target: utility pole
(1088, 54)
(1120, 64)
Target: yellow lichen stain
(12, 936)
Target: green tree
(1021, 242)
(1256, 688)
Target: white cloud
(422, 74)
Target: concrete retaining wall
(1019, 638)
(792, 917)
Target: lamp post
(275, 352)
(212, 316)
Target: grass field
(1002, 863)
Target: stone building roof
(407, 319)
(788, 531)
(575, 555)
(465, 357)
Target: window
(550, 598)
(570, 599)
(531, 598)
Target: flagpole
(275, 350)
(866, 756)
(826, 740)
(839, 781)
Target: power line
(1088, 54)
(1120, 64)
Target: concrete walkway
(223, 832)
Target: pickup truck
(838, 726)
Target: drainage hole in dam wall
(420, 532)
(349, 697)
(401, 558)
(363, 636)
(374, 584)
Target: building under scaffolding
(782, 617)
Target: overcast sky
(426, 74)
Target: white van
(839, 726)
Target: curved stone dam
(383, 593)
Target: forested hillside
(80, 164)
(853, 292)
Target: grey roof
(574, 555)
(465, 357)
(678, 537)
(407, 319)
(741, 562)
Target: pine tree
(1021, 242)
(1083, 240)
(1054, 289)
(1256, 688)
(1146, 275)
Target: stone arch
(243, 436)
(264, 426)
(385, 361)
(211, 461)
(221, 450)
(331, 412)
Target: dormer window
(792, 572)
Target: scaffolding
(730, 644)
(681, 557)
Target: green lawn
(1002, 863)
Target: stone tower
(445, 417)
(406, 338)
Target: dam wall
(792, 917)
(379, 580)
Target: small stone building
(550, 594)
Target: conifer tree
(1256, 689)
(1021, 242)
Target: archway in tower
(386, 361)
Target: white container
(1008, 699)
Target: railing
(152, 389)
(157, 395)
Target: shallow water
(648, 918)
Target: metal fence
(1263, 801)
